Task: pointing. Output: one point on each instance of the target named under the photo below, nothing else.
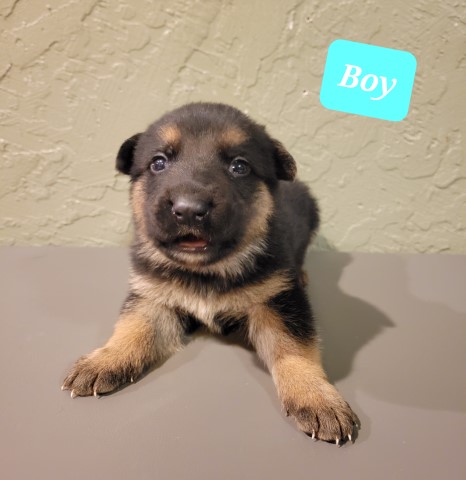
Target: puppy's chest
(217, 310)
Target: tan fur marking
(303, 278)
(232, 137)
(301, 382)
(298, 372)
(137, 205)
(170, 134)
(263, 205)
(145, 332)
(141, 337)
(267, 332)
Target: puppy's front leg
(143, 335)
(303, 388)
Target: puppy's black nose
(190, 210)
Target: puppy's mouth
(192, 243)
(196, 248)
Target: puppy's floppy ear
(125, 155)
(285, 166)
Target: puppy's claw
(313, 436)
(72, 394)
(132, 380)
(350, 438)
(337, 442)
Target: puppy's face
(202, 178)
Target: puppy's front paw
(102, 371)
(323, 414)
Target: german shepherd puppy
(221, 232)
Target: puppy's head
(203, 178)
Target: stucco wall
(77, 77)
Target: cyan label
(368, 80)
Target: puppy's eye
(159, 163)
(239, 167)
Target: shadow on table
(418, 363)
(345, 323)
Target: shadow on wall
(321, 243)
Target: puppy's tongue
(191, 241)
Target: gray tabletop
(394, 334)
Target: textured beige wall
(77, 77)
